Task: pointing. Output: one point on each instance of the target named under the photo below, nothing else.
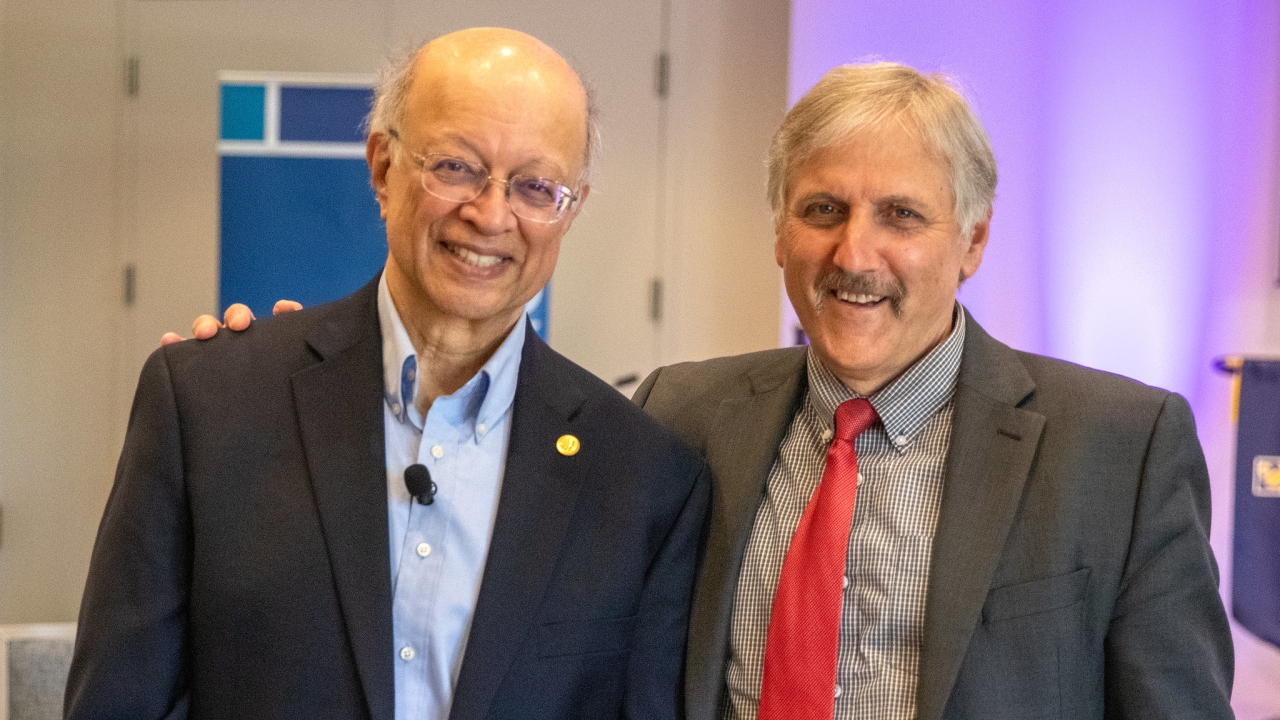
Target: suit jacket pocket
(1036, 596)
(579, 637)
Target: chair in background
(34, 660)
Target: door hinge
(132, 67)
(655, 300)
(130, 284)
(662, 74)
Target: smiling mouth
(473, 258)
(859, 298)
(863, 290)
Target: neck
(451, 350)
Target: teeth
(863, 299)
(474, 258)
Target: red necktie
(804, 628)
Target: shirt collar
(906, 404)
(482, 401)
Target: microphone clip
(417, 479)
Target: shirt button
(859, 477)
(411, 374)
(423, 549)
(826, 435)
(437, 452)
(481, 428)
(395, 408)
(406, 653)
(900, 440)
(844, 582)
(838, 691)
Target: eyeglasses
(532, 198)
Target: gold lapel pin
(568, 445)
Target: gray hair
(391, 93)
(854, 98)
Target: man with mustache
(910, 519)
(403, 504)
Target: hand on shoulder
(237, 317)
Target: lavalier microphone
(420, 484)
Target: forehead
(885, 160)
(505, 116)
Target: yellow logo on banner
(1266, 476)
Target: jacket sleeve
(1168, 645)
(130, 657)
(655, 671)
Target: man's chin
(842, 359)
(449, 302)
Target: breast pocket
(1036, 596)
(580, 637)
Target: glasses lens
(450, 178)
(538, 199)
(532, 198)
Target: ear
(377, 153)
(975, 246)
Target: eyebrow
(539, 166)
(902, 200)
(820, 195)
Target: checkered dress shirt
(901, 459)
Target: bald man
(403, 504)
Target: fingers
(205, 327)
(285, 306)
(238, 316)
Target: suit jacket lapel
(741, 446)
(539, 492)
(339, 406)
(993, 444)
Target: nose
(858, 247)
(490, 212)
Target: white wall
(59, 297)
(729, 93)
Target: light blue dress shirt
(438, 551)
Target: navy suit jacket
(242, 567)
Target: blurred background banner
(297, 218)
(1256, 571)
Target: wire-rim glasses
(532, 198)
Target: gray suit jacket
(1071, 574)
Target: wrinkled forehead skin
(500, 76)
(912, 139)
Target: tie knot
(852, 417)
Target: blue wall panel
(306, 229)
(243, 110)
(323, 114)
